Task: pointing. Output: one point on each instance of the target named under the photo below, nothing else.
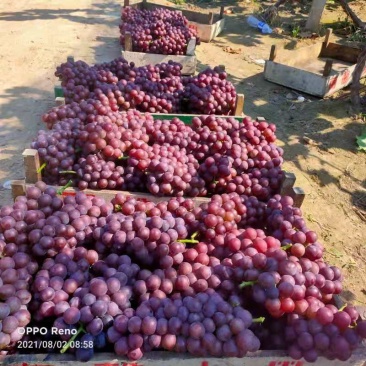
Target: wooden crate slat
(160, 358)
(31, 166)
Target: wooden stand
(208, 26)
(320, 69)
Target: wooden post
(17, 188)
(288, 182)
(60, 101)
(31, 166)
(128, 41)
(328, 67)
(273, 53)
(222, 12)
(327, 37)
(191, 47)
(210, 17)
(70, 59)
(316, 11)
(239, 105)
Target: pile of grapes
(232, 276)
(160, 31)
(94, 147)
(155, 89)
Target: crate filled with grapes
(155, 158)
(126, 282)
(156, 36)
(159, 88)
(207, 25)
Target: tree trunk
(316, 12)
(356, 85)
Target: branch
(356, 85)
(356, 20)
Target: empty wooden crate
(320, 69)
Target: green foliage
(295, 32)
(361, 141)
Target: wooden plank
(273, 53)
(128, 41)
(239, 105)
(210, 18)
(340, 80)
(287, 184)
(295, 78)
(60, 101)
(298, 195)
(21, 186)
(191, 47)
(207, 32)
(31, 166)
(327, 37)
(161, 358)
(340, 52)
(222, 11)
(143, 59)
(17, 188)
(328, 67)
(316, 12)
(299, 55)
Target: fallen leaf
(232, 50)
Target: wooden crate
(161, 358)
(238, 113)
(208, 25)
(32, 174)
(320, 69)
(188, 61)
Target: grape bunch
(156, 31)
(202, 325)
(227, 277)
(160, 88)
(132, 151)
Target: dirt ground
(37, 35)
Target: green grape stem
(62, 189)
(194, 235)
(39, 170)
(67, 172)
(188, 241)
(285, 247)
(67, 345)
(248, 283)
(259, 320)
(343, 307)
